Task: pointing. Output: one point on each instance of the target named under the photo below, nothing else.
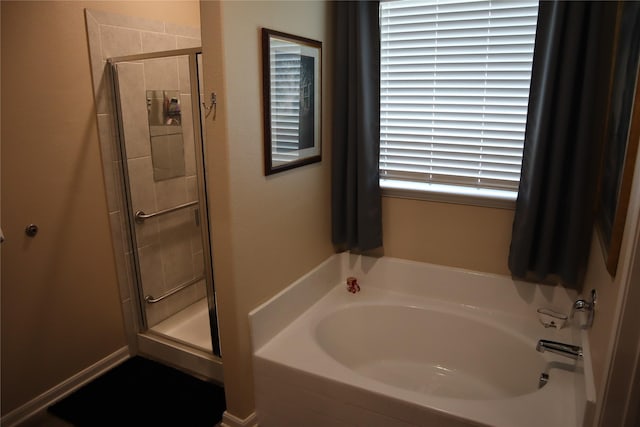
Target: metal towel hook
(211, 107)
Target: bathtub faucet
(568, 350)
(584, 305)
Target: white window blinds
(285, 100)
(454, 90)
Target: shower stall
(158, 119)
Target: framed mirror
(622, 134)
(292, 88)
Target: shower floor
(189, 326)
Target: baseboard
(49, 397)
(229, 420)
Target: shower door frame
(192, 54)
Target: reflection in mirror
(286, 95)
(292, 93)
(164, 107)
(165, 131)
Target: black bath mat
(142, 392)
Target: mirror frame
(304, 156)
(622, 135)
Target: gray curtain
(554, 215)
(356, 196)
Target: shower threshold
(189, 326)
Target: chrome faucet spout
(568, 350)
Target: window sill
(500, 199)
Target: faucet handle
(588, 306)
(579, 305)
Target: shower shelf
(152, 300)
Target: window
(454, 91)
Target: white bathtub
(419, 345)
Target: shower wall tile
(157, 312)
(188, 296)
(133, 100)
(147, 232)
(110, 184)
(100, 82)
(154, 42)
(192, 188)
(161, 74)
(121, 260)
(188, 136)
(119, 41)
(156, 130)
(188, 42)
(118, 20)
(142, 185)
(177, 231)
(118, 177)
(177, 262)
(122, 266)
(126, 234)
(102, 88)
(185, 297)
(109, 156)
(106, 134)
(182, 30)
(183, 76)
(197, 253)
(131, 325)
(112, 35)
(178, 228)
(128, 280)
(176, 152)
(198, 263)
(150, 258)
(171, 192)
(93, 35)
(201, 290)
(162, 160)
(203, 99)
(161, 310)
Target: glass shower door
(158, 101)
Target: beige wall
(60, 309)
(608, 289)
(266, 231)
(611, 293)
(269, 231)
(471, 237)
(60, 303)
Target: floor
(128, 390)
(45, 419)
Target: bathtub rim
(274, 314)
(271, 317)
(302, 357)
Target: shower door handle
(141, 216)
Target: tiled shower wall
(111, 35)
(169, 246)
